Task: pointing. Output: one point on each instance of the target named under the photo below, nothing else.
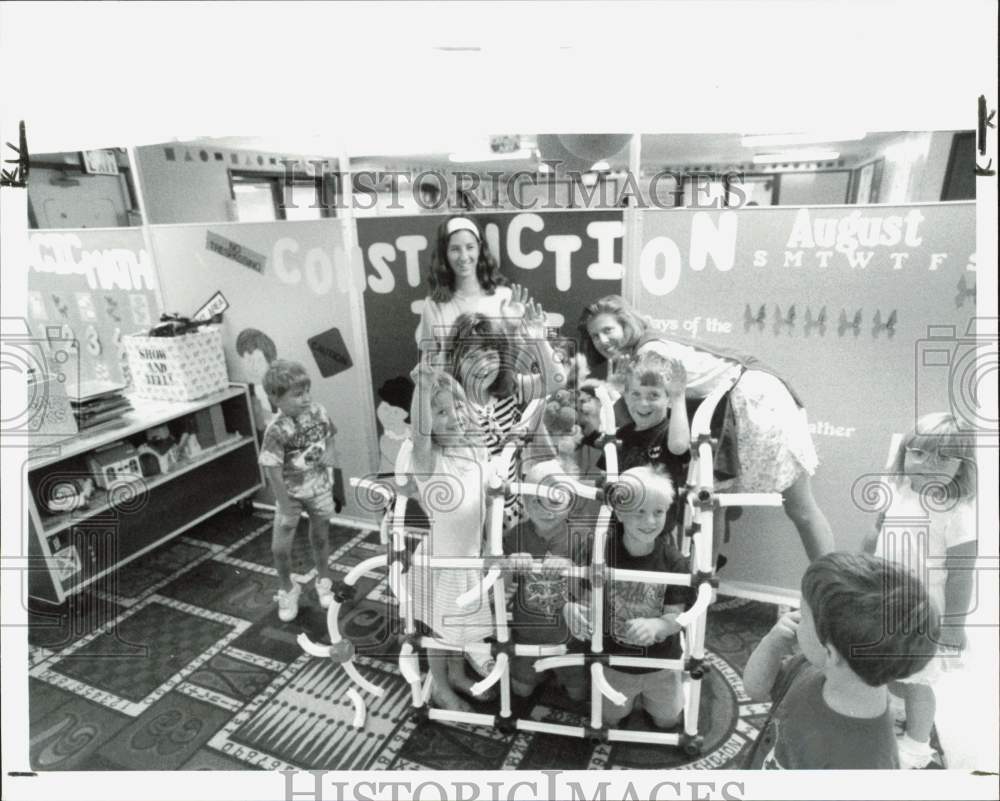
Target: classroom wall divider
(867, 311)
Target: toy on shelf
(68, 495)
(158, 454)
(118, 461)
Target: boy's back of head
(875, 613)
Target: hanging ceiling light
(793, 156)
(487, 155)
(786, 140)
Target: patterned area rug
(179, 662)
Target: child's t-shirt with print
(803, 733)
(296, 445)
(626, 600)
(537, 605)
(649, 446)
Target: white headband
(461, 224)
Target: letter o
(653, 281)
(319, 271)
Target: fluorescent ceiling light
(796, 156)
(784, 140)
(523, 153)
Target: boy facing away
(296, 455)
(863, 624)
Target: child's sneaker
(324, 591)
(913, 755)
(288, 603)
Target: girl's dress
(454, 501)
(437, 320)
(773, 443)
(495, 420)
(916, 533)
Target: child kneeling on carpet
(862, 625)
(297, 454)
(537, 617)
(641, 618)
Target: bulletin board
(866, 311)
(291, 296)
(86, 289)
(566, 259)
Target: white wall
(197, 190)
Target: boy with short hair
(541, 594)
(296, 455)
(863, 623)
(641, 618)
(659, 432)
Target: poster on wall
(86, 289)
(845, 303)
(290, 296)
(566, 259)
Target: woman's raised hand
(517, 305)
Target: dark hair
(283, 376)
(398, 391)
(477, 332)
(874, 612)
(441, 279)
(632, 323)
(251, 339)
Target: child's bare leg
(457, 677)
(319, 541)
(442, 693)
(282, 536)
(665, 701)
(812, 525)
(920, 709)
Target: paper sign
(235, 252)
(216, 304)
(330, 353)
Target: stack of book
(98, 403)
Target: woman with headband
(464, 279)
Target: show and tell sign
(291, 295)
(565, 259)
(866, 311)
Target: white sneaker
(912, 754)
(324, 591)
(288, 602)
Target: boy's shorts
(660, 691)
(522, 670)
(318, 505)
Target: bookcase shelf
(131, 517)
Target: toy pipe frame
(702, 503)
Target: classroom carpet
(178, 661)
